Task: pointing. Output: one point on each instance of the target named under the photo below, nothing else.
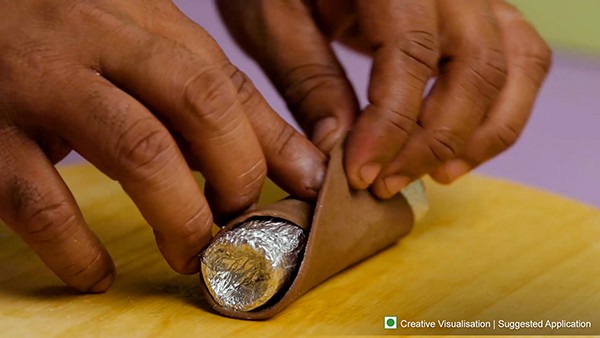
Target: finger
(469, 83)
(198, 99)
(37, 205)
(405, 43)
(294, 163)
(528, 60)
(124, 140)
(283, 37)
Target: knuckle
(210, 95)
(108, 114)
(189, 232)
(398, 121)
(300, 81)
(143, 148)
(421, 47)
(445, 144)
(541, 53)
(282, 140)
(487, 70)
(504, 137)
(47, 223)
(242, 193)
(535, 59)
(41, 218)
(246, 92)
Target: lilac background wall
(559, 151)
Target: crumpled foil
(246, 266)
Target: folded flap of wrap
(347, 226)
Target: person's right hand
(132, 86)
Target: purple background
(559, 150)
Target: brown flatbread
(347, 227)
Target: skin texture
(487, 61)
(145, 95)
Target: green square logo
(390, 322)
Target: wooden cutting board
(489, 250)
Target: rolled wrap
(347, 227)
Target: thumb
(285, 40)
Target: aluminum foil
(416, 197)
(245, 267)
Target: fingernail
(368, 172)
(324, 132)
(395, 183)
(104, 284)
(456, 168)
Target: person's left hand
(488, 62)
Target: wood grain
(488, 250)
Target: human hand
(488, 61)
(137, 89)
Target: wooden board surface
(489, 251)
